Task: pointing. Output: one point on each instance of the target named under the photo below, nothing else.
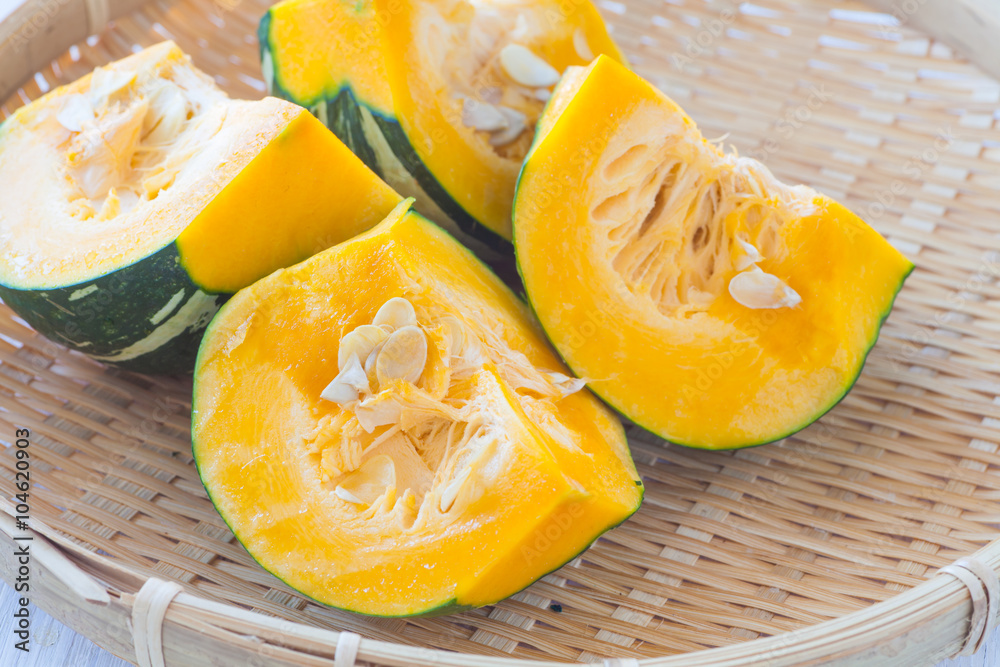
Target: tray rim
(893, 632)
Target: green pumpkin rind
(148, 316)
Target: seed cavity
(393, 347)
(756, 289)
(527, 69)
(411, 428)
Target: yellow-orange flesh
(433, 65)
(699, 296)
(146, 150)
(444, 60)
(453, 489)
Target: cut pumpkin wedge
(440, 464)
(439, 97)
(701, 297)
(137, 198)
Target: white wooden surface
(55, 645)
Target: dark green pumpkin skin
(346, 116)
(147, 317)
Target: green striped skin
(147, 317)
(382, 144)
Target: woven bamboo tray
(825, 548)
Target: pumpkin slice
(439, 97)
(139, 197)
(702, 298)
(384, 428)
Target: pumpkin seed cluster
(412, 428)
(520, 82)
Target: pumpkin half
(439, 97)
(703, 299)
(139, 197)
(384, 428)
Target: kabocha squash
(699, 296)
(137, 198)
(384, 427)
(439, 97)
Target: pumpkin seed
(403, 355)
(482, 116)
(450, 492)
(527, 69)
(344, 494)
(543, 94)
(581, 45)
(339, 392)
(360, 343)
(749, 257)
(76, 110)
(167, 114)
(373, 358)
(756, 289)
(516, 124)
(396, 312)
(349, 383)
(456, 332)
